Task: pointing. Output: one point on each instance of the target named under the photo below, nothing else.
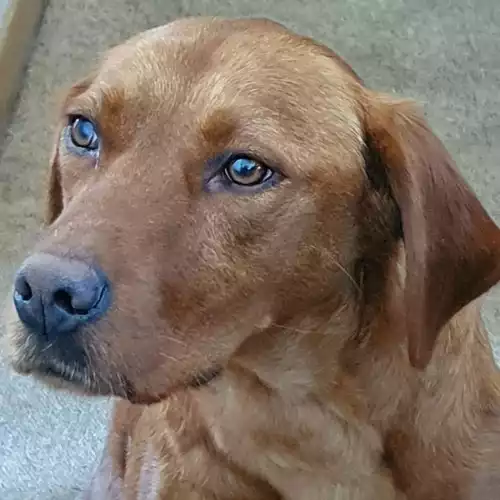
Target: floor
(444, 53)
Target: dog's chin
(57, 375)
(55, 381)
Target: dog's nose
(54, 296)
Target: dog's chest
(302, 449)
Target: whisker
(311, 330)
(168, 356)
(293, 329)
(351, 278)
(176, 340)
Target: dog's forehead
(182, 49)
(200, 56)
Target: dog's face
(209, 181)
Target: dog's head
(215, 178)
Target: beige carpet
(444, 53)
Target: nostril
(64, 301)
(23, 289)
(75, 304)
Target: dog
(275, 270)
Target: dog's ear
(452, 246)
(54, 196)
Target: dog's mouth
(57, 374)
(75, 378)
(65, 374)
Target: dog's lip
(49, 369)
(22, 368)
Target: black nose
(54, 296)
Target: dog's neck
(284, 403)
(415, 420)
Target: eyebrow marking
(218, 127)
(77, 90)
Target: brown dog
(245, 243)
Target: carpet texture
(444, 53)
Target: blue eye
(83, 133)
(247, 172)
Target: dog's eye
(83, 133)
(245, 171)
(239, 173)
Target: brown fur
(340, 307)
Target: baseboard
(19, 21)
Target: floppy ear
(452, 246)
(54, 197)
